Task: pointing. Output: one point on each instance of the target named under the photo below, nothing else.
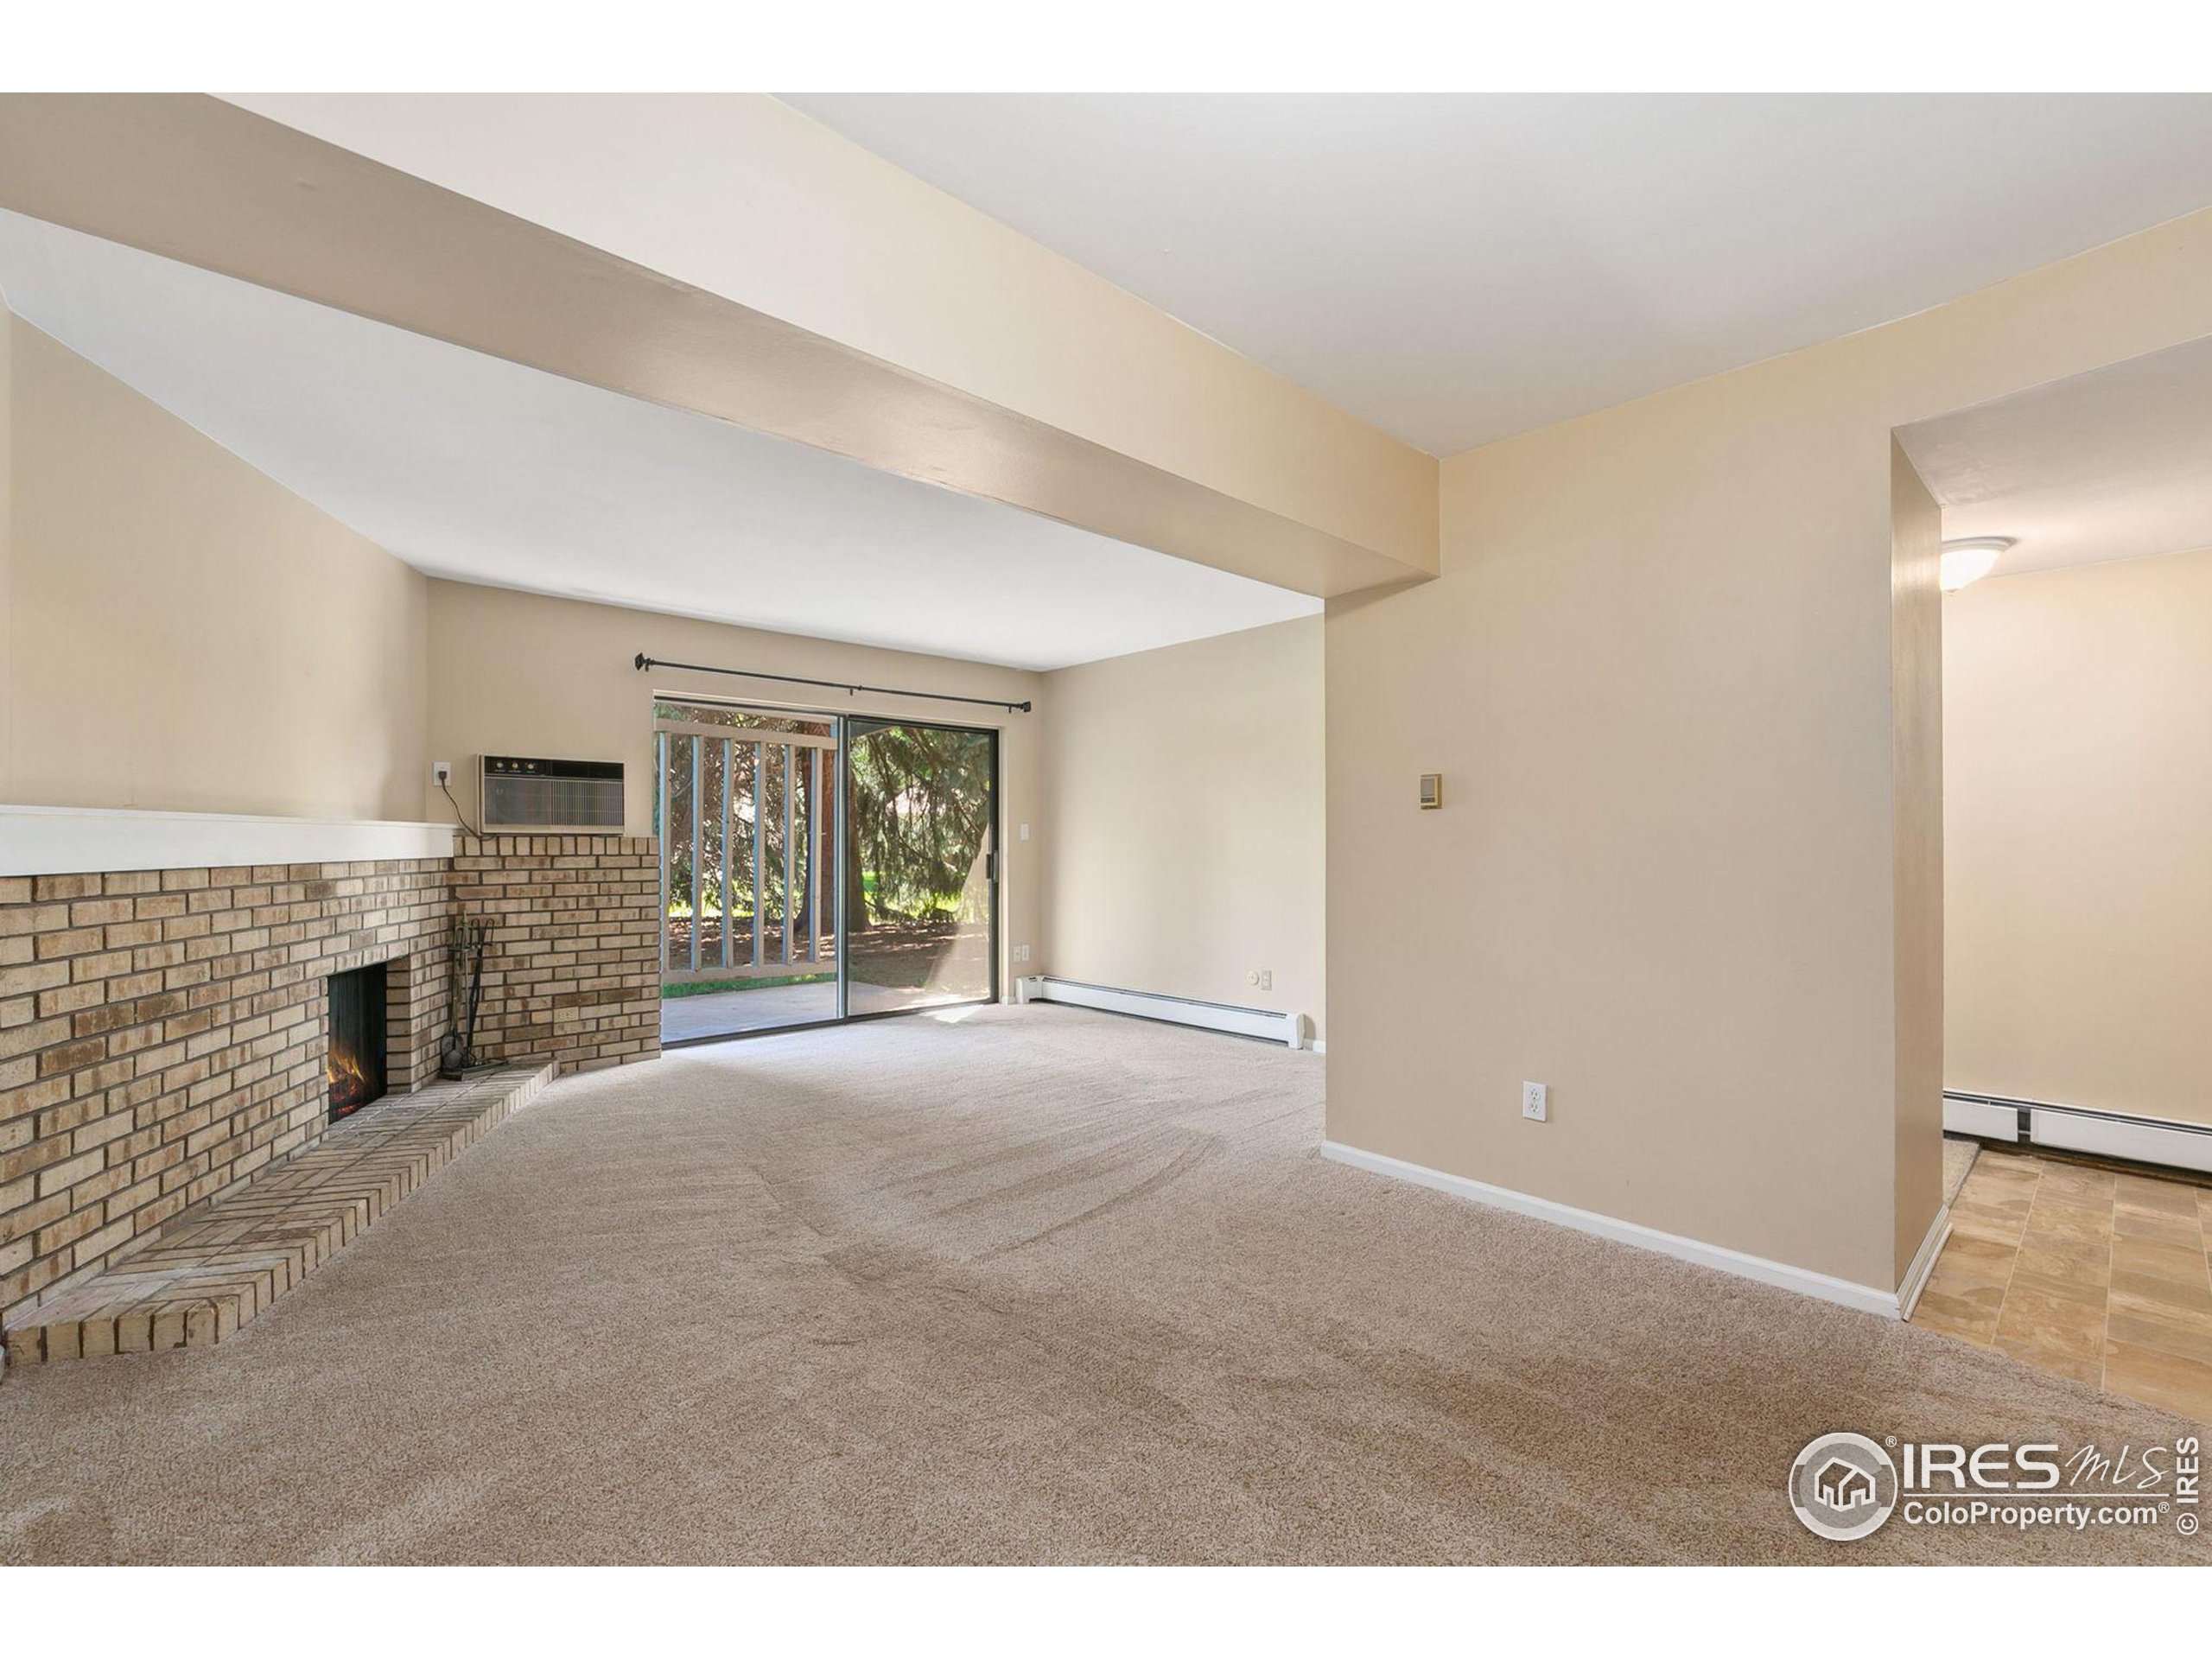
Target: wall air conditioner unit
(551, 797)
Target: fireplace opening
(355, 1062)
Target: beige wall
(1183, 813)
(8, 325)
(1917, 840)
(1662, 673)
(182, 632)
(516, 673)
(2078, 831)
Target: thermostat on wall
(1431, 790)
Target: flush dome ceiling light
(1969, 559)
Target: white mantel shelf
(69, 840)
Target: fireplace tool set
(457, 1049)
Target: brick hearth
(222, 1261)
(163, 1032)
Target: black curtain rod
(644, 662)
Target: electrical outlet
(442, 773)
(1021, 953)
(1536, 1102)
(1266, 979)
(1024, 832)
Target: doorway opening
(2071, 524)
(819, 868)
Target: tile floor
(2099, 1274)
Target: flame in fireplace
(349, 1084)
(353, 1059)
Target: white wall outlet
(1252, 977)
(1024, 832)
(1021, 953)
(1266, 979)
(442, 773)
(1535, 1101)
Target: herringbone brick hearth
(222, 1261)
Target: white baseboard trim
(1288, 1029)
(2083, 1129)
(1866, 1299)
(1320, 1045)
(76, 841)
(1924, 1262)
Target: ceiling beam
(203, 182)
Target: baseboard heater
(2080, 1128)
(1288, 1029)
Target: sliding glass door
(920, 866)
(817, 867)
(745, 808)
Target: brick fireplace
(165, 1034)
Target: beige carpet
(1036, 1286)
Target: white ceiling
(478, 470)
(2113, 464)
(1458, 268)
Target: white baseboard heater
(2080, 1128)
(1288, 1029)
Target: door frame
(996, 867)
